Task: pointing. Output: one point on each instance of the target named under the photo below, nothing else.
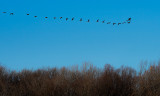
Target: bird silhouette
(114, 23)
(46, 17)
(54, 18)
(80, 19)
(35, 16)
(4, 12)
(98, 20)
(129, 19)
(119, 23)
(66, 19)
(61, 17)
(109, 23)
(11, 13)
(72, 18)
(88, 20)
(103, 21)
(27, 14)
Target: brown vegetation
(88, 81)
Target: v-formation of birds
(81, 19)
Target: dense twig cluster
(87, 81)
(128, 21)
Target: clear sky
(28, 42)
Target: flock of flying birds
(128, 21)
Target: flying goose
(11, 13)
(114, 23)
(129, 19)
(119, 23)
(88, 20)
(98, 20)
(80, 19)
(72, 18)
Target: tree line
(84, 81)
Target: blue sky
(32, 43)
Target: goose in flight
(46, 17)
(27, 14)
(98, 20)
(35, 16)
(54, 18)
(88, 20)
(129, 19)
(4, 12)
(66, 19)
(103, 21)
(61, 17)
(80, 19)
(11, 13)
(119, 23)
(114, 23)
(72, 18)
